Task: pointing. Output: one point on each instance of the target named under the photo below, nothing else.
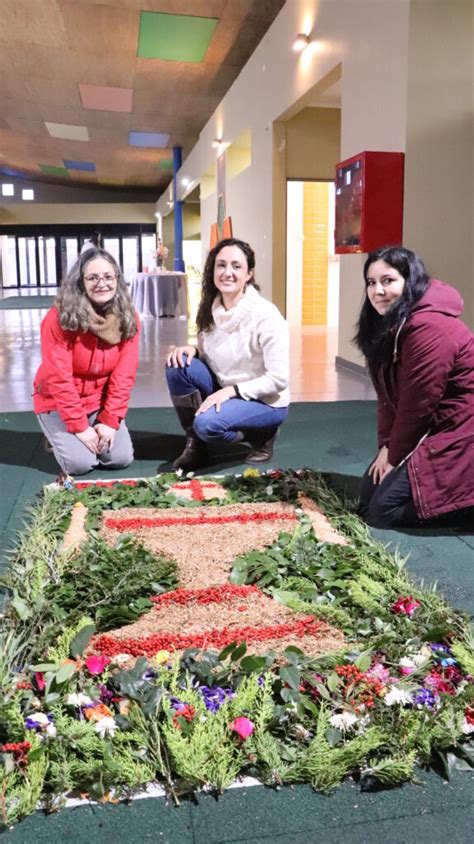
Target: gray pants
(73, 456)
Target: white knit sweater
(249, 346)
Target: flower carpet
(188, 632)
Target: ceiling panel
(49, 48)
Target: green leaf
(333, 736)
(81, 640)
(227, 651)
(239, 652)
(253, 664)
(64, 674)
(21, 608)
(364, 659)
(290, 675)
(332, 681)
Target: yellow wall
(315, 253)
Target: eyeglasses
(93, 278)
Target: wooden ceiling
(48, 48)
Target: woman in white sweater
(234, 385)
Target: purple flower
(177, 704)
(438, 648)
(215, 696)
(105, 693)
(424, 697)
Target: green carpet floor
(337, 438)
(26, 302)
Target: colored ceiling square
(176, 38)
(105, 98)
(165, 164)
(51, 170)
(159, 140)
(88, 166)
(67, 132)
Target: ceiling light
(301, 41)
(28, 194)
(170, 202)
(217, 142)
(8, 190)
(185, 182)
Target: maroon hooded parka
(426, 403)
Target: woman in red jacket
(89, 346)
(421, 360)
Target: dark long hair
(375, 333)
(209, 291)
(72, 299)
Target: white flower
(40, 720)
(406, 662)
(106, 726)
(397, 695)
(121, 658)
(178, 473)
(343, 720)
(467, 728)
(51, 730)
(78, 699)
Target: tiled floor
(313, 350)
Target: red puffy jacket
(80, 373)
(426, 403)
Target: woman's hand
(216, 399)
(90, 439)
(175, 357)
(380, 467)
(106, 436)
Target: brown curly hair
(71, 300)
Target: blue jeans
(236, 415)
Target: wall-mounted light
(185, 182)
(301, 42)
(8, 190)
(169, 202)
(28, 194)
(217, 142)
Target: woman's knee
(76, 464)
(209, 426)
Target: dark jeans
(389, 504)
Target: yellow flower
(251, 473)
(161, 657)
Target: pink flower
(40, 681)
(378, 672)
(96, 664)
(405, 605)
(243, 727)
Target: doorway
(312, 270)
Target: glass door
(27, 256)
(47, 261)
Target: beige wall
(439, 212)
(109, 212)
(313, 144)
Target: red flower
(405, 605)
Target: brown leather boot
(262, 450)
(195, 451)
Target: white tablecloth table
(160, 295)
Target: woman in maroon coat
(421, 360)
